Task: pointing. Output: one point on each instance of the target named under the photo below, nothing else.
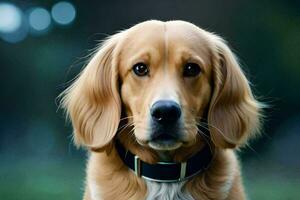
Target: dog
(161, 108)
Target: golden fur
(107, 90)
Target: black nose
(165, 111)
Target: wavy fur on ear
(92, 102)
(234, 114)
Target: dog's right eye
(140, 69)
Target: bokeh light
(10, 18)
(18, 35)
(39, 19)
(63, 13)
(13, 24)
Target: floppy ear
(92, 102)
(234, 113)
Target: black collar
(166, 171)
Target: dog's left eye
(191, 70)
(140, 69)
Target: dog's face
(165, 77)
(166, 84)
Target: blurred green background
(44, 44)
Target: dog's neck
(222, 173)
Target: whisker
(128, 117)
(206, 138)
(131, 134)
(121, 129)
(218, 130)
(201, 123)
(195, 125)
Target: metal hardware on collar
(137, 166)
(182, 170)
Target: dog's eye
(191, 70)
(140, 69)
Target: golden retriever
(161, 107)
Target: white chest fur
(167, 191)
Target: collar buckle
(137, 169)
(137, 166)
(182, 171)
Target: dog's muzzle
(165, 125)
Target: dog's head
(166, 80)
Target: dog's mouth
(165, 142)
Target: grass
(264, 188)
(264, 181)
(41, 180)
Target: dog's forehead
(171, 37)
(145, 34)
(184, 34)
